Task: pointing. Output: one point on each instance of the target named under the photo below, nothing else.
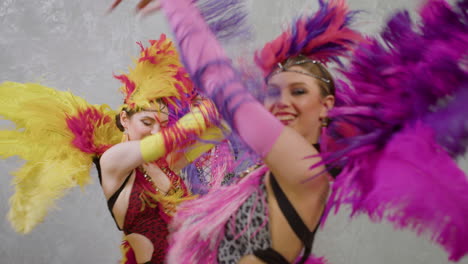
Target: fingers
(142, 4)
(114, 5)
(150, 8)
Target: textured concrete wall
(74, 45)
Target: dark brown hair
(117, 118)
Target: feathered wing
(57, 134)
(399, 126)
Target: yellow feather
(157, 78)
(43, 139)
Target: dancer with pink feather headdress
(272, 213)
(394, 132)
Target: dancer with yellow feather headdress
(59, 135)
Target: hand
(146, 7)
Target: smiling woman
(73, 45)
(382, 140)
(276, 209)
(300, 94)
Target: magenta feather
(325, 36)
(399, 124)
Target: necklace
(250, 169)
(148, 178)
(173, 178)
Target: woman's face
(145, 122)
(295, 99)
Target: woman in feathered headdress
(161, 119)
(272, 213)
(389, 133)
(142, 194)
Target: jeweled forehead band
(284, 68)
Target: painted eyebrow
(297, 83)
(291, 84)
(148, 117)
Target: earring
(323, 134)
(124, 136)
(324, 122)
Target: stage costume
(386, 127)
(398, 124)
(60, 135)
(239, 228)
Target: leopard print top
(247, 230)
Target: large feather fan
(57, 134)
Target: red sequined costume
(146, 221)
(149, 212)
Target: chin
(298, 130)
(137, 138)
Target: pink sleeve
(214, 74)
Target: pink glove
(213, 73)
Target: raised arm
(283, 149)
(121, 159)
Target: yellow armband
(188, 127)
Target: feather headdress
(58, 134)
(199, 223)
(158, 75)
(323, 36)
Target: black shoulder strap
(98, 168)
(294, 220)
(113, 198)
(270, 255)
(317, 146)
(290, 213)
(334, 171)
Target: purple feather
(227, 19)
(450, 123)
(400, 82)
(412, 183)
(406, 94)
(317, 25)
(325, 35)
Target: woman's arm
(118, 161)
(179, 159)
(283, 149)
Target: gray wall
(74, 45)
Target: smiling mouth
(285, 118)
